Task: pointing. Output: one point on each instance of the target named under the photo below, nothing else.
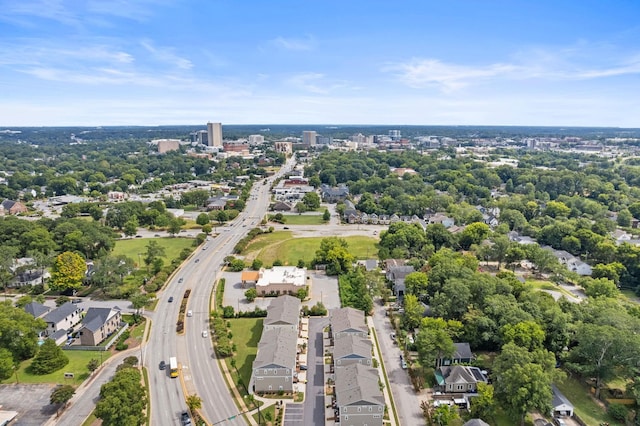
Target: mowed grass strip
(246, 334)
(77, 365)
(291, 250)
(303, 219)
(132, 247)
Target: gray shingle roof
(357, 385)
(277, 348)
(559, 398)
(348, 320)
(96, 317)
(463, 350)
(36, 309)
(476, 422)
(352, 345)
(283, 310)
(61, 313)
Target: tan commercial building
(214, 134)
(166, 145)
(281, 280)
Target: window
(460, 387)
(359, 409)
(370, 408)
(266, 371)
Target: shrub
(228, 312)
(618, 411)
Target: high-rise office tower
(395, 135)
(309, 137)
(214, 133)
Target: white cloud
(294, 43)
(432, 72)
(422, 73)
(166, 55)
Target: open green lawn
(588, 410)
(289, 250)
(264, 240)
(78, 361)
(246, 335)
(132, 247)
(303, 219)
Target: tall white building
(214, 133)
(256, 139)
(395, 135)
(309, 137)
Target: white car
(205, 333)
(189, 313)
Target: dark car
(197, 260)
(163, 365)
(170, 299)
(185, 419)
(285, 227)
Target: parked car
(197, 260)
(163, 365)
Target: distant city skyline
(417, 62)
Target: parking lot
(31, 401)
(323, 288)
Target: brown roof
(250, 276)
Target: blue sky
(423, 62)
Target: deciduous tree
(67, 272)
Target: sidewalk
(388, 397)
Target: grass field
(246, 335)
(588, 410)
(132, 247)
(282, 246)
(78, 361)
(303, 219)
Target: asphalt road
(200, 371)
(407, 402)
(86, 397)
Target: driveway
(314, 398)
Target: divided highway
(194, 352)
